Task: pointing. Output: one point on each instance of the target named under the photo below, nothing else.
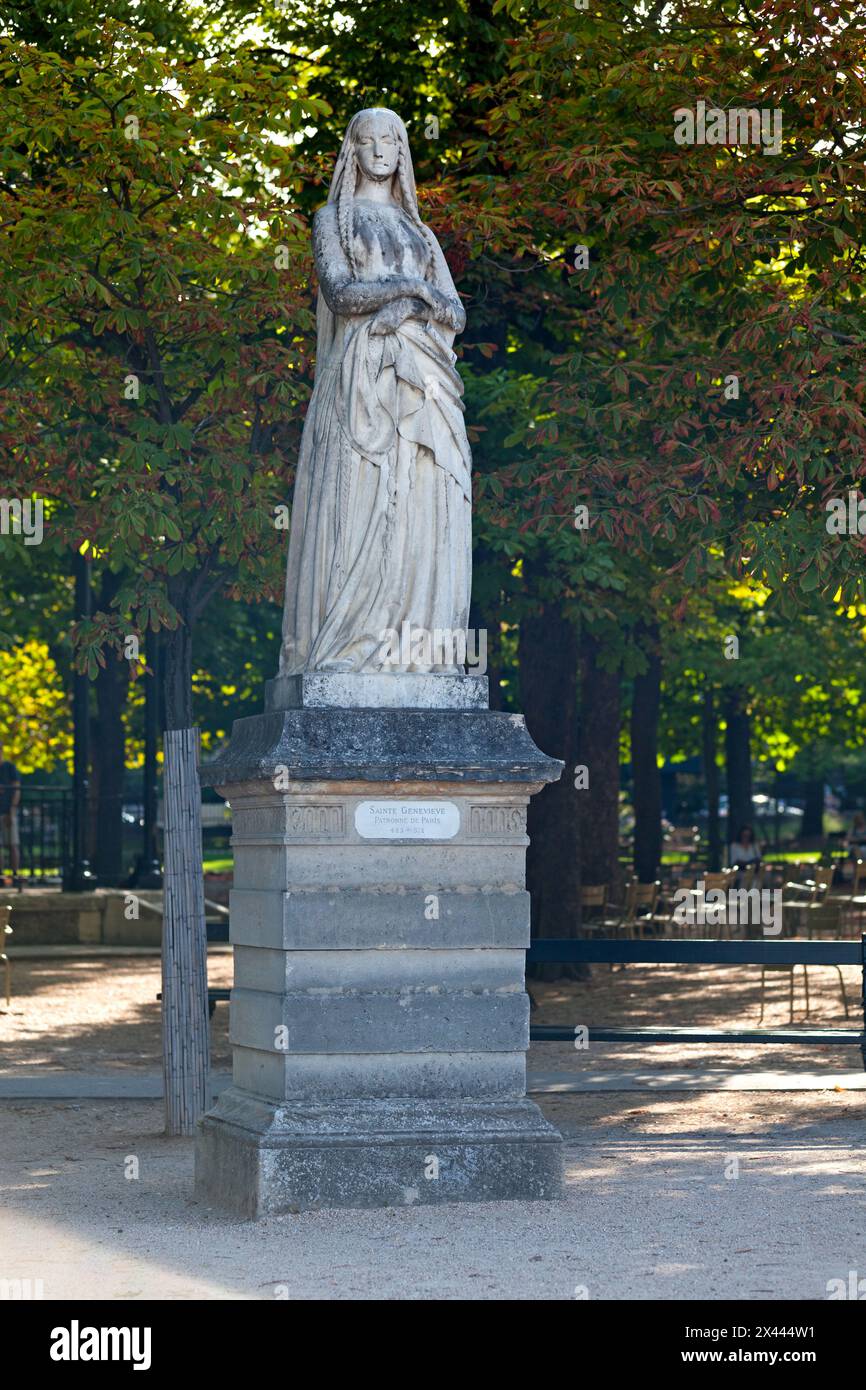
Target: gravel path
(97, 1014)
(649, 1213)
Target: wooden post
(185, 1041)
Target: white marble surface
(383, 690)
(381, 519)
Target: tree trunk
(184, 946)
(598, 751)
(479, 622)
(670, 792)
(109, 766)
(78, 876)
(646, 701)
(148, 871)
(490, 575)
(812, 826)
(547, 654)
(709, 730)
(738, 761)
(177, 668)
(109, 753)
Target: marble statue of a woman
(381, 521)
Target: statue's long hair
(342, 192)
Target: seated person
(745, 850)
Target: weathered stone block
(359, 918)
(405, 1020)
(379, 690)
(357, 1076)
(261, 1159)
(443, 971)
(379, 1020)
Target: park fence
(45, 831)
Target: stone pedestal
(381, 690)
(379, 1020)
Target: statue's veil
(403, 189)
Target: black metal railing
(44, 830)
(666, 951)
(47, 849)
(46, 836)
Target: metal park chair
(803, 897)
(637, 916)
(688, 923)
(593, 905)
(790, 970)
(815, 914)
(639, 912)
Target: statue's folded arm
(344, 293)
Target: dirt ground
(102, 1013)
(96, 1014)
(674, 1195)
(670, 1198)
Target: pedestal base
(261, 1159)
(379, 1020)
(383, 690)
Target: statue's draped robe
(381, 521)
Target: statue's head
(375, 146)
(377, 135)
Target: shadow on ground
(666, 1199)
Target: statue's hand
(448, 312)
(443, 308)
(452, 318)
(422, 289)
(390, 316)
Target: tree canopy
(663, 362)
